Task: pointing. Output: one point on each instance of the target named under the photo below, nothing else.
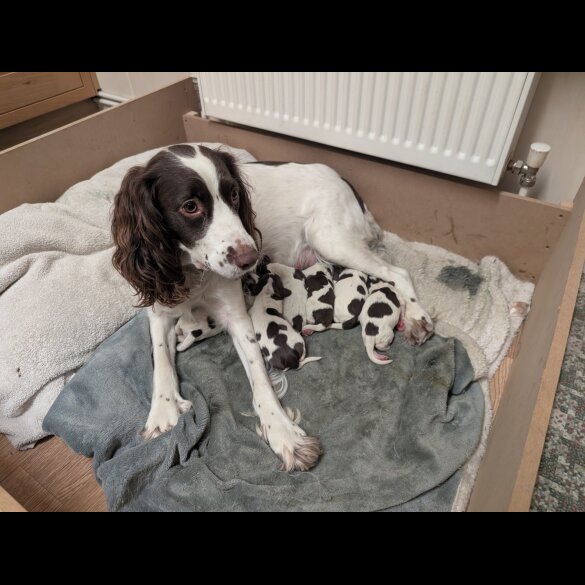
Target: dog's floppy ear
(245, 211)
(146, 254)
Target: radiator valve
(527, 170)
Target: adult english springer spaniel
(191, 222)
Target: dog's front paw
(296, 450)
(164, 415)
(418, 325)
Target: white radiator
(463, 124)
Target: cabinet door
(24, 95)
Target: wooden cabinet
(27, 95)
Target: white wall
(137, 83)
(557, 117)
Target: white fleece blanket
(60, 296)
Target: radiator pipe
(527, 170)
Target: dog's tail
(370, 344)
(279, 381)
(307, 360)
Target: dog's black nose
(245, 258)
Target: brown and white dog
(192, 206)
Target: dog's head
(186, 200)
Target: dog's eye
(235, 197)
(190, 207)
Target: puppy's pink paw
(307, 332)
(401, 326)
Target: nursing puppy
(195, 325)
(294, 306)
(318, 282)
(351, 290)
(379, 316)
(281, 345)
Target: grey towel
(389, 433)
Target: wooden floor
(52, 478)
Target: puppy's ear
(245, 211)
(146, 254)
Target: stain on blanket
(460, 278)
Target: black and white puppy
(351, 290)
(281, 345)
(194, 325)
(294, 306)
(380, 315)
(318, 282)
